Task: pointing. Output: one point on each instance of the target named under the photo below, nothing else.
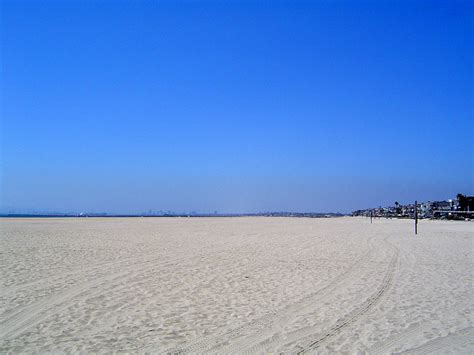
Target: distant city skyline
(154, 212)
(123, 107)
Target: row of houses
(461, 207)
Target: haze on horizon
(123, 107)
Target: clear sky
(234, 106)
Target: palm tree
(397, 207)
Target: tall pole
(416, 218)
(371, 216)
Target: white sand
(233, 285)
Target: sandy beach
(234, 285)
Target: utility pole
(416, 218)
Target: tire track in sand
(409, 335)
(449, 342)
(252, 332)
(384, 346)
(272, 338)
(352, 317)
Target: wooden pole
(416, 218)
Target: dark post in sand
(416, 218)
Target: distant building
(460, 208)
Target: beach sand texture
(236, 285)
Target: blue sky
(234, 106)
